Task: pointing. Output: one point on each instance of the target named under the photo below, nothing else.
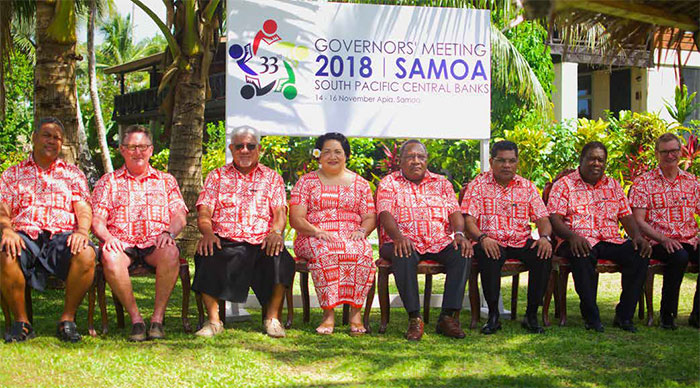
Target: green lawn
(242, 356)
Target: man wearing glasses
(138, 212)
(242, 212)
(499, 205)
(664, 202)
(45, 221)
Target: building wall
(600, 88)
(662, 79)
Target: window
(691, 78)
(584, 96)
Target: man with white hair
(242, 213)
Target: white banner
(302, 68)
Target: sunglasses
(248, 146)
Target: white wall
(662, 79)
(600, 89)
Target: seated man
(45, 218)
(418, 214)
(138, 213)
(664, 202)
(242, 213)
(499, 206)
(584, 208)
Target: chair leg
(222, 311)
(649, 296)
(101, 299)
(426, 297)
(368, 307)
(28, 303)
(200, 310)
(290, 307)
(186, 284)
(514, 297)
(119, 309)
(305, 302)
(640, 302)
(91, 308)
(346, 314)
(474, 298)
(557, 307)
(383, 291)
(563, 280)
(548, 298)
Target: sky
(143, 25)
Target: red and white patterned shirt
(504, 213)
(590, 211)
(670, 205)
(137, 210)
(243, 205)
(421, 210)
(43, 199)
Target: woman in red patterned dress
(332, 210)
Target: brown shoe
(449, 327)
(156, 331)
(415, 329)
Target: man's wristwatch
(544, 236)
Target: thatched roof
(618, 26)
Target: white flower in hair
(316, 153)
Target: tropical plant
(196, 25)
(683, 105)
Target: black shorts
(237, 266)
(138, 256)
(46, 256)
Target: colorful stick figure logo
(267, 67)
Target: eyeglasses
(134, 147)
(505, 161)
(248, 146)
(670, 152)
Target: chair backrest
(548, 187)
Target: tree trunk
(186, 133)
(94, 96)
(54, 87)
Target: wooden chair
(302, 268)
(222, 309)
(425, 267)
(53, 283)
(656, 267)
(140, 270)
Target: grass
(244, 357)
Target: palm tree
(94, 95)
(191, 50)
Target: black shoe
(67, 331)
(492, 325)
(20, 332)
(694, 321)
(598, 327)
(625, 325)
(138, 332)
(156, 331)
(668, 323)
(530, 324)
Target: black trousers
(490, 269)
(405, 274)
(676, 263)
(583, 269)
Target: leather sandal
(67, 331)
(20, 332)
